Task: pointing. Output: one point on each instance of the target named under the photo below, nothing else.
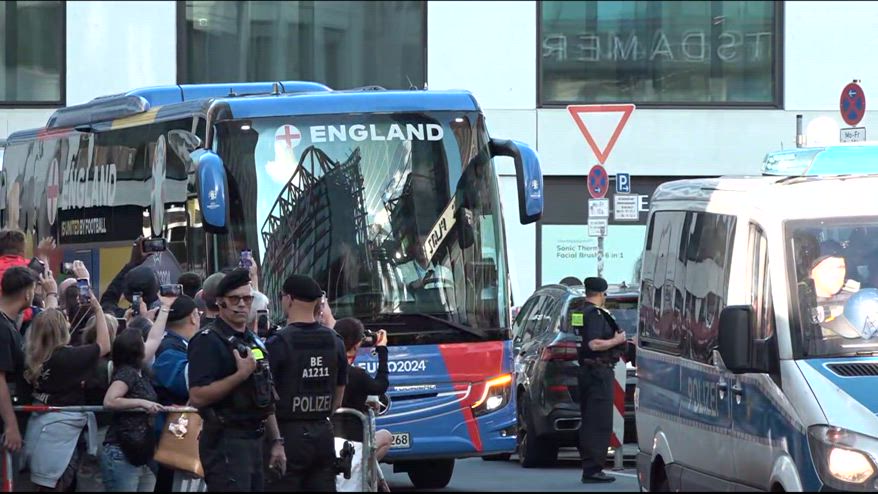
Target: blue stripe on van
(765, 417)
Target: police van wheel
(434, 474)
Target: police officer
(310, 370)
(602, 343)
(230, 384)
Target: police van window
(760, 284)
(832, 285)
(661, 278)
(706, 271)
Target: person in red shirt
(12, 245)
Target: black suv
(546, 366)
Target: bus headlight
(495, 395)
(843, 458)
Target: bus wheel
(433, 474)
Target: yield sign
(607, 114)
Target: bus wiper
(466, 329)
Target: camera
(369, 338)
(37, 266)
(155, 245)
(84, 292)
(136, 297)
(171, 290)
(67, 269)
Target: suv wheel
(533, 451)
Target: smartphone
(246, 259)
(84, 291)
(171, 290)
(135, 303)
(262, 325)
(37, 266)
(155, 245)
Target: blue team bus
(388, 198)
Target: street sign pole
(598, 179)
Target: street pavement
(475, 474)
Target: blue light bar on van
(831, 160)
(790, 162)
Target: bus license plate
(401, 441)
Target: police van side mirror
(735, 341)
(529, 176)
(212, 186)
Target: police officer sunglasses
(236, 299)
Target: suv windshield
(397, 216)
(834, 276)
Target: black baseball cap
(302, 287)
(182, 308)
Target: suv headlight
(845, 459)
(495, 396)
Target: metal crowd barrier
(368, 463)
(369, 468)
(7, 484)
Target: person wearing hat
(598, 353)
(310, 368)
(208, 296)
(170, 370)
(231, 385)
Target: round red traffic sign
(598, 182)
(852, 104)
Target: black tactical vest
(610, 328)
(308, 385)
(252, 401)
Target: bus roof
(840, 159)
(244, 100)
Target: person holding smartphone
(361, 385)
(134, 277)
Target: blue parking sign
(623, 183)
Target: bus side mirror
(529, 176)
(735, 340)
(212, 187)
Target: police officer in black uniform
(602, 345)
(310, 370)
(230, 383)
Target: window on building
(341, 44)
(660, 52)
(32, 52)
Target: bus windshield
(835, 283)
(397, 216)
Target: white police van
(757, 352)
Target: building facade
(717, 84)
